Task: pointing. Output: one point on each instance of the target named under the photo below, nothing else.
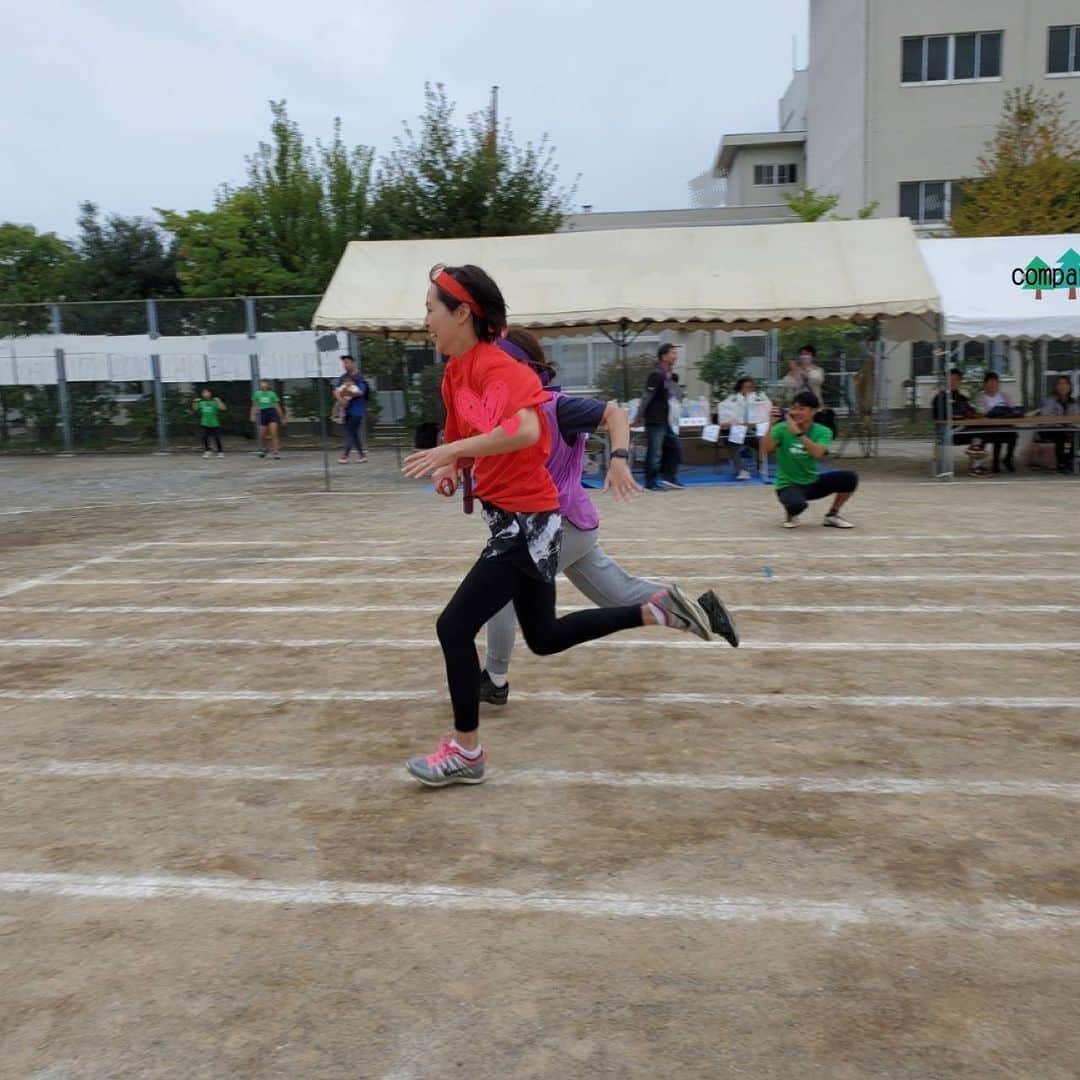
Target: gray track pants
(589, 568)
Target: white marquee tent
(695, 278)
(977, 280)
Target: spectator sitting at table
(994, 404)
(962, 409)
(746, 408)
(1060, 403)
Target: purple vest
(564, 466)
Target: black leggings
(487, 588)
(209, 433)
(796, 497)
(999, 439)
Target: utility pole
(493, 120)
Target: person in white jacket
(740, 414)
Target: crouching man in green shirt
(800, 444)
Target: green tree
(225, 252)
(810, 205)
(119, 258)
(721, 368)
(179, 416)
(1040, 268)
(621, 380)
(830, 340)
(1070, 263)
(34, 268)
(92, 409)
(285, 229)
(1028, 179)
(445, 180)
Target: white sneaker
(837, 522)
(742, 474)
(207, 454)
(791, 522)
(221, 453)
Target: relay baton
(467, 496)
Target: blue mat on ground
(700, 476)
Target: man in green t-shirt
(209, 409)
(800, 444)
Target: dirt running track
(847, 850)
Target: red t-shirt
(481, 389)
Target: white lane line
(614, 644)
(749, 577)
(454, 553)
(346, 609)
(913, 915)
(54, 577)
(887, 537)
(366, 774)
(698, 557)
(555, 697)
(132, 505)
(180, 502)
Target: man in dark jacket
(962, 409)
(663, 444)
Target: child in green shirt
(209, 409)
(268, 412)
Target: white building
(895, 106)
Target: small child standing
(209, 409)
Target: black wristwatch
(624, 454)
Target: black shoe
(719, 619)
(490, 694)
(1008, 463)
(672, 482)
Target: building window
(1064, 51)
(766, 175)
(927, 201)
(951, 57)
(922, 359)
(756, 349)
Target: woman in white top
(994, 403)
(744, 410)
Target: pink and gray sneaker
(447, 766)
(679, 612)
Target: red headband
(458, 291)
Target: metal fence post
(253, 358)
(155, 371)
(63, 398)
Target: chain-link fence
(116, 376)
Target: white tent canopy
(738, 276)
(981, 299)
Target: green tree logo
(1038, 277)
(1070, 263)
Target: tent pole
(946, 472)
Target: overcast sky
(135, 105)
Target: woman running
(494, 415)
(571, 421)
(268, 412)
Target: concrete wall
(869, 132)
(776, 213)
(836, 110)
(793, 105)
(741, 190)
(934, 131)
